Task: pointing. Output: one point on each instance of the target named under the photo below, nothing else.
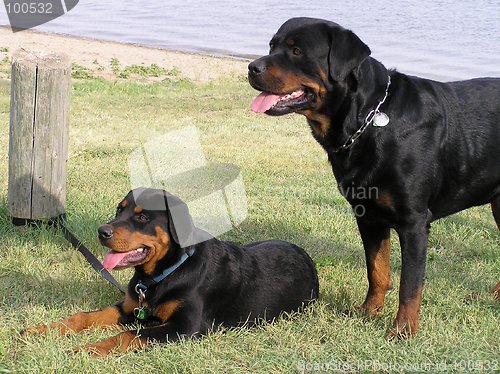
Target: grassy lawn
(292, 195)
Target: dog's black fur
(221, 284)
(439, 154)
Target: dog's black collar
(144, 284)
(368, 120)
(142, 312)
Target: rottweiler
(405, 151)
(186, 282)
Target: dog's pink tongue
(264, 102)
(113, 258)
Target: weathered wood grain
(38, 143)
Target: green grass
(292, 195)
(138, 71)
(81, 72)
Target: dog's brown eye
(142, 217)
(296, 51)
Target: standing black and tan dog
(430, 149)
(187, 283)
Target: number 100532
(29, 8)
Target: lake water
(441, 39)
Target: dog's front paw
(42, 329)
(99, 349)
(402, 329)
(61, 328)
(120, 343)
(371, 310)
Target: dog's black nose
(105, 231)
(257, 67)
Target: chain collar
(368, 120)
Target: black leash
(59, 222)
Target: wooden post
(38, 143)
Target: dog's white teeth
(293, 95)
(140, 250)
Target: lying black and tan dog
(428, 149)
(186, 287)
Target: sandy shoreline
(96, 55)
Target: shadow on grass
(33, 272)
(487, 224)
(41, 288)
(319, 248)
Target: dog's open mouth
(277, 104)
(120, 260)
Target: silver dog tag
(380, 119)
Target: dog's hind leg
(495, 208)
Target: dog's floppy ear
(347, 52)
(181, 225)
